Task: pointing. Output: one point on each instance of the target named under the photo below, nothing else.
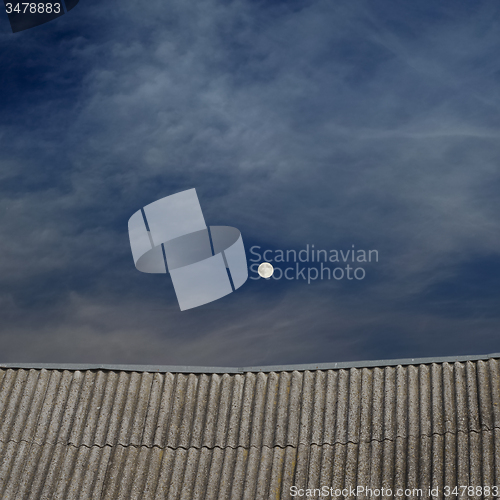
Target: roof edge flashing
(245, 369)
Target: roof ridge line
(244, 369)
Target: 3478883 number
(33, 8)
(471, 491)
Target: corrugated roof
(78, 434)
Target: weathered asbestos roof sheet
(78, 434)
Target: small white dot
(266, 270)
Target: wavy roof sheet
(92, 434)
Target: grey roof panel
(130, 434)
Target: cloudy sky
(373, 123)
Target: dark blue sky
(370, 123)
